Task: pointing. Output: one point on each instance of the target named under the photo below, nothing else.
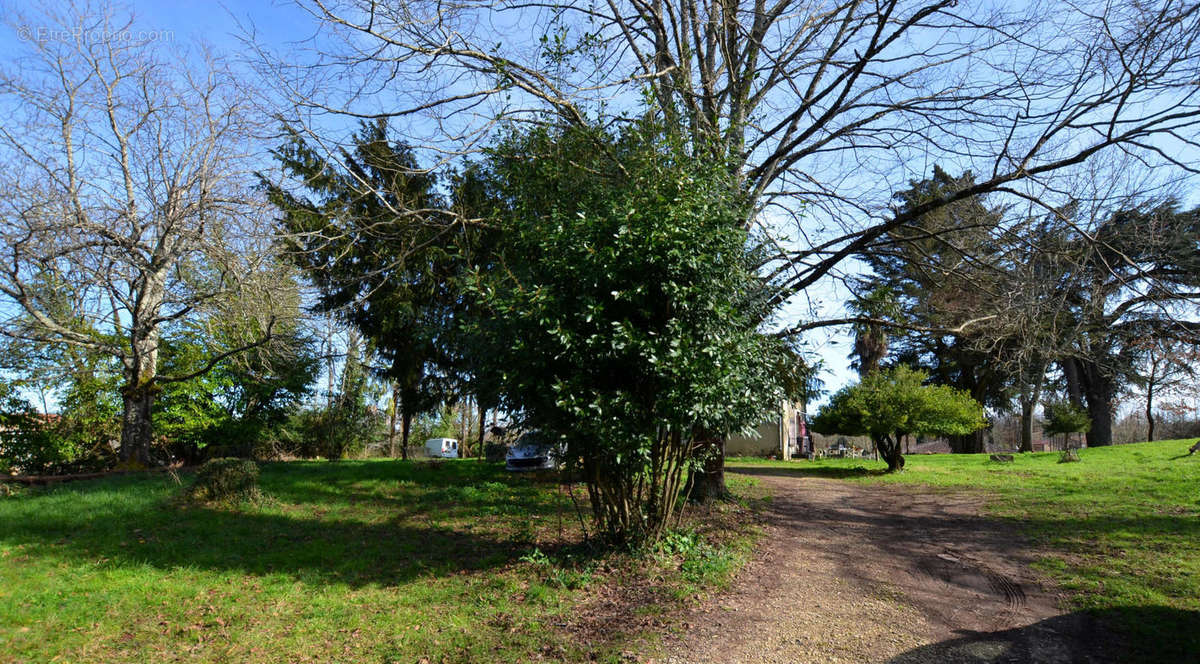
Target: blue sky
(221, 23)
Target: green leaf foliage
(1063, 417)
(239, 406)
(897, 402)
(888, 405)
(624, 308)
(629, 295)
(372, 232)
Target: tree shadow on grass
(454, 490)
(1144, 634)
(355, 524)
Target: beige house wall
(768, 436)
(763, 442)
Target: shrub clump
(225, 481)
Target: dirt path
(854, 573)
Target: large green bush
(625, 319)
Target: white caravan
(445, 448)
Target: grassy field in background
(1120, 529)
(364, 561)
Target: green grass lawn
(364, 561)
(1120, 530)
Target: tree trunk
(137, 428)
(958, 444)
(1031, 392)
(889, 450)
(329, 366)
(392, 420)
(1150, 402)
(708, 484)
(1100, 434)
(1100, 389)
(464, 425)
(405, 427)
(1149, 423)
(971, 443)
(137, 395)
(1071, 372)
(1026, 424)
(482, 425)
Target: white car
(532, 451)
(444, 448)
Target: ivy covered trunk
(137, 396)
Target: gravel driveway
(858, 573)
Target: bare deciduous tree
(1085, 286)
(1168, 365)
(1034, 325)
(125, 182)
(825, 109)
(1139, 282)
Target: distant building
(784, 436)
